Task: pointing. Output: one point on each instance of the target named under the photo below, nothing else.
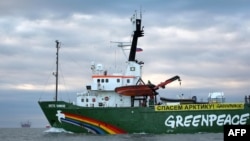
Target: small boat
(142, 89)
(135, 90)
(47, 126)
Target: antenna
(123, 46)
(140, 13)
(57, 62)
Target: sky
(204, 42)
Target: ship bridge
(101, 80)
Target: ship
(123, 103)
(47, 126)
(26, 124)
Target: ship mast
(137, 33)
(57, 62)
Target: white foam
(56, 130)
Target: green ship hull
(158, 119)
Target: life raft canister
(106, 98)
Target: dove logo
(60, 115)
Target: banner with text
(190, 107)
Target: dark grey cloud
(64, 8)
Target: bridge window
(132, 68)
(118, 80)
(102, 80)
(107, 80)
(128, 80)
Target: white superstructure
(101, 91)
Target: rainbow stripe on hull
(90, 124)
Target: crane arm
(162, 84)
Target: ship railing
(216, 100)
(86, 94)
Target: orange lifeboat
(144, 90)
(135, 90)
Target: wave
(57, 130)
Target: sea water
(43, 134)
